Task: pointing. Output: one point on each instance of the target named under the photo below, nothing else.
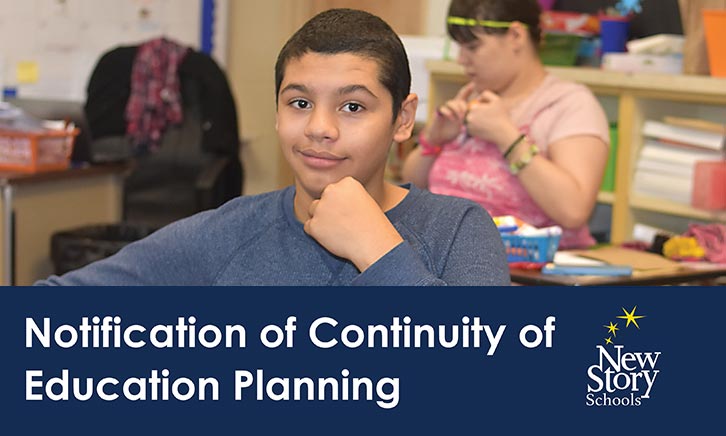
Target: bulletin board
(48, 48)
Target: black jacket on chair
(197, 167)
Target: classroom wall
(49, 47)
(435, 13)
(257, 31)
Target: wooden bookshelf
(638, 97)
(672, 208)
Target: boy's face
(334, 119)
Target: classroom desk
(34, 206)
(536, 278)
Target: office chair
(196, 167)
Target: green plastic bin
(560, 49)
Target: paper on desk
(572, 259)
(640, 260)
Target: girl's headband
(472, 22)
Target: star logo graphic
(608, 341)
(612, 328)
(631, 317)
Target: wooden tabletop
(671, 277)
(17, 178)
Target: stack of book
(665, 168)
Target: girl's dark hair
(357, 32)
(524, 11)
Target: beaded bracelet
(427, 148)
(524, 160)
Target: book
(666, 171)
(683, 135)
(695, 123)
(656, 166)
(639, 260)
(665, 186)
(566, 257)
(709, 185)
(588, 270)
(658, 151)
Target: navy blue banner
(343, 360)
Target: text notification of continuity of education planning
(100, 333)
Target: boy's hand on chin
(348, 222)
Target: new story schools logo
(621, 376)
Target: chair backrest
(169, 184)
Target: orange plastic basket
(31, 152)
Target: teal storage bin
(530, 248)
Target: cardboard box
(570, 22)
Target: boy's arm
(165, 257)
(350, 224)
(475, 257)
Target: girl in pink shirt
(515, 139)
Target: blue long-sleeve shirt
(257, 240)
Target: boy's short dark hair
(356, 32)
(524, 11)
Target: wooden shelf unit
(639, 97)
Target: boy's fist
(349, 223)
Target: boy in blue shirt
(342, 84)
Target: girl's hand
(449, 118)
(488, 118)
